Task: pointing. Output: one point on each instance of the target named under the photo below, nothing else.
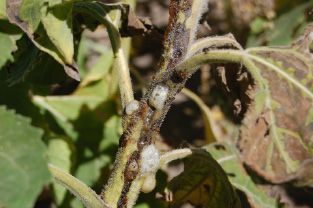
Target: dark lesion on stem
(131, 172)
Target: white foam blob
(148, 184)
(131, 107)
(158, 96)
(149, 161)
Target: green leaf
(276, 135)
(46, 71)
(58, 24)
(3, 15)
(7, 45)
(25, 57)
(67, 107)
(203, 183)
(97, 144)
(40, 37)
(53, 3)
(18, 98)
(91, 93)
(34, 66)
(284, 29)
(29, 12)
(56, 109)
(23, 161)
(228, 157)
(282, 32)
(59, 153)
(96, 81)
(90, 171)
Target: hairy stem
(215, 56)
(174, 155)
(142, 125)
(214, 42)
(87, 196)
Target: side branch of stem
(86, 195)
(216, 56)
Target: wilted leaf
(304, 175)
(23, 161)
(276, 135)
(30, 24)
(203, 183)
(228, 157)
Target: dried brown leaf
(133, 25)
(277, 132)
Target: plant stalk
(86, 195)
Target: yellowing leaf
(276, 135)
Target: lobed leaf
(276, 135)
(23, 161)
